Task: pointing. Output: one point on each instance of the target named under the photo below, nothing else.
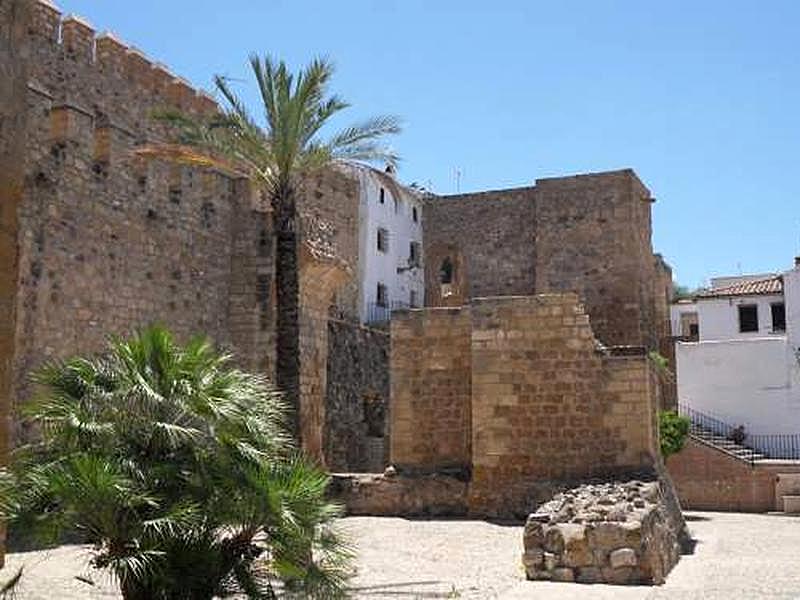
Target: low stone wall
(389, 494)
(620, 532)
(707, 478)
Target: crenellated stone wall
(103, 235)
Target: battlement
(73, 39)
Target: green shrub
(672, 432)
(178, 468)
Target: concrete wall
(749, 382)
(514, 388)
(719, 317)
(395, 215)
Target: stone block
(623, 557)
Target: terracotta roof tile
(758, 287)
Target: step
(791, 504)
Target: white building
(737, 351)
(390, 269)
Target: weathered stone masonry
(99, 238)
(514, 391)
(588, 234)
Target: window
(748, 318)
(413, 254)
(414, 214)
(382, 196)
(412, 300)
(778, 316)
(383, 240)
(446, 271)
(396, 206)
(381, 298)
(690, 326)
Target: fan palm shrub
(278, 150)
(181, 472)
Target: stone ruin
(620, 532)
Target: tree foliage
(278, 147)
(672, 431)
(179, 470)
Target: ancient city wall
(357, 398)
(588, 234)
(14, 18)
(545, 405)
(515, 388)
(109, 240)
(593, 237)
(490, 237)
(104, 238)
(430, 383)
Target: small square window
(383, 240)
(382, 196)
(778, 316)
(748, 318)
(381, 298)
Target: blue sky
(702, 99)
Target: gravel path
(737, 556)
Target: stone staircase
(709, 437)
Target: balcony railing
(382, 313)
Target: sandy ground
(737, 556)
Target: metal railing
(777, 445)
(382, 313)
(772, 446)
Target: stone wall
(109, 240)
(103, 238)
(492, 231)
(14, 17)
(357, 398)
(707, 478)
(546, 406)
(515, 389)
(624, 531)
(589, 234)
(430, 412)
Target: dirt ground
(738, 556)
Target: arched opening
(446, 272)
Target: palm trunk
(287, 282)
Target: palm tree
(278, 154)
(180, 471)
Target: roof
(758, 287)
